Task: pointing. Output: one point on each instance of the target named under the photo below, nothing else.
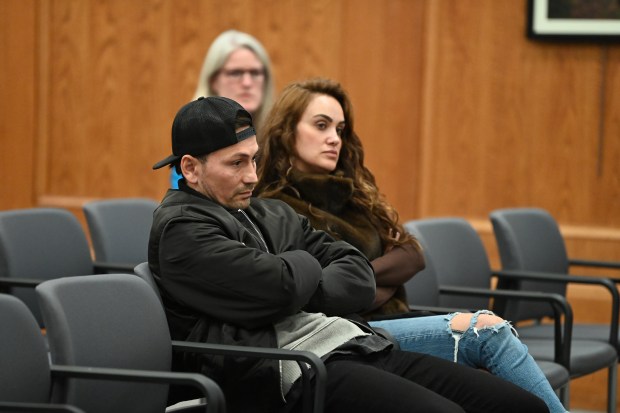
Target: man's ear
(189, 166)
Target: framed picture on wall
(574, 20)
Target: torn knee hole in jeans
(473, 326)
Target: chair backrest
(24, 366)
(143, 271)
(456, 255)
(423, 288)
(112, 320)
(41, 243)
(529, 239)
(119, 228)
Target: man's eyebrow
(242, 155)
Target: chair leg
(612, 381)
(564, 395)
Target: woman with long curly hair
(312, 159)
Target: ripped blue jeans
(494, 348)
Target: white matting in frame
(603, 27)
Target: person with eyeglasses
(237, 67)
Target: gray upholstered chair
(114, 321)
(529, 240)
(119, 230)
(117, 320)
(461, 261)
(26, 377)
(143, 271)
(425, 292)
(38, 244)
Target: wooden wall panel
(510, 121)
(17, 103)
(118, 72)
(383, 71)
(109, 78)
(497, 111)
(606, 191)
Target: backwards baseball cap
(204, 126)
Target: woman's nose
(333, 138)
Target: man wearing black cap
(239, 270)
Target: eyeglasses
(238, 74)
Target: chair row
(110, 350)
(102, 360)
(41, 247)
(45, 243)
(37, 244)
(535, 264)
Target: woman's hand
(394, 237)
(383, 296)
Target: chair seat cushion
(587, 356)
(582, 331)
(555, 373)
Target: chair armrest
(415, 311)
(595, 263)
(439, 310)
(269, 353)
(103, 267)
(563, 331)
(19, 282)
(38, 407)
(210, 389)
(517, 275)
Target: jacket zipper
(260, 236)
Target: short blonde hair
(223, 45)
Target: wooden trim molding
(584, 232)
(60, 201)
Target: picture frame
(574, 20)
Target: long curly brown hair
(276, 139)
